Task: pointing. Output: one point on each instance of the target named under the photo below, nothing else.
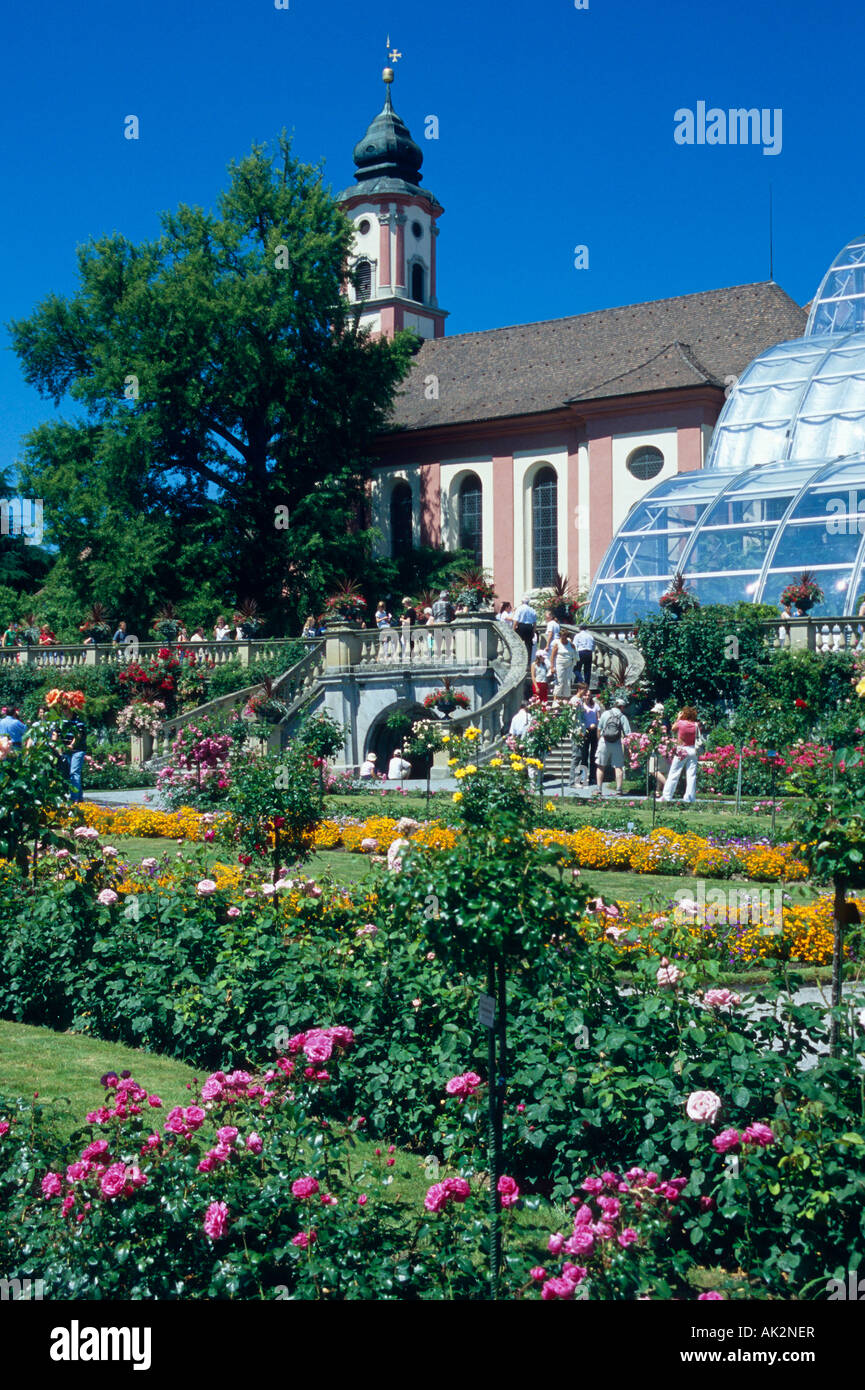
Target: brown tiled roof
(534, 367)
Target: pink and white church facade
(528, 445)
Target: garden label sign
(487, 1011)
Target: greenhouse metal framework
(783, 488)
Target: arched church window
(363, 279)
(400, 520)
(417, 282)
(545, 528)
(470, 513)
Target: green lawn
(347, 869)
(65, 1068)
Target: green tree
(222, 376)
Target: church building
(528, 445)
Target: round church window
(645, 463)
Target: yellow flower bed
(587, 848)
(806, 933)
(773, 864)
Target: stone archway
(383, 739)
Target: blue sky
(555, 129)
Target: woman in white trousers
(686, 731)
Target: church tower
(394, 253)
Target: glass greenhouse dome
(783, 488)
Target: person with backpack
(687, 732)
(612, 728)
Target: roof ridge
(613, 308)
(689, 358)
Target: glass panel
(814, 543)
(743, 548)
(622, 603)
(471, 518)
(657, 555)
(724, 588)
(545, 529)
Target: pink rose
(593, 1185)
(52, 1185)
(227, 1134)
(668, 974)
(212, 1088)
(627, 1237)
(456, 1188)
(711, 1297)
(721, 998)
(106, 897)
(555, 1244)
(702, 1106)
(76, 1171)
(304, 1187)
(508, 1191)
(557, 1288)
(254, 1143)
(725, 1141)
(436, 1197)
(582, 1242)
(113, 1180)
(574, 1274)
(216, 1220)
(538, 1272)
(99, 1146)
(4, 1125)
(318, 1046)
(194, 1116)
(758, 1134)
(233, 912)
(362, 1200)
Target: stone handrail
(62, 658)
(298, 681)
(615, 655)
(511, 663)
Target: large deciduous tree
(221, 376)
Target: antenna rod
(771, 263)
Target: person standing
(408, 620)
(540, 677)
(566, 660)
(584, 742)
(506, 615)
(12, 727)
(76, 749)
(612, 728)
(308, 629)
(10, 636)
(198, 635)
(222, 632)
(584, 643)
(120, 635)
(687, 732)
(525, 620)
(552, 629)
(443, 610)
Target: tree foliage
(220, 375)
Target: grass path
(65, 1068)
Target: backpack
(612, 730)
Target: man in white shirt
(397, 767)
(520, 722)
(524, 624)
(585, 645)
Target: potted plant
(347, 602)
(167, 623)
(264, 706)
(803, 594)
(473, 589)
(250, 619)
(97, 624)
(446, 699)
(678, 599)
